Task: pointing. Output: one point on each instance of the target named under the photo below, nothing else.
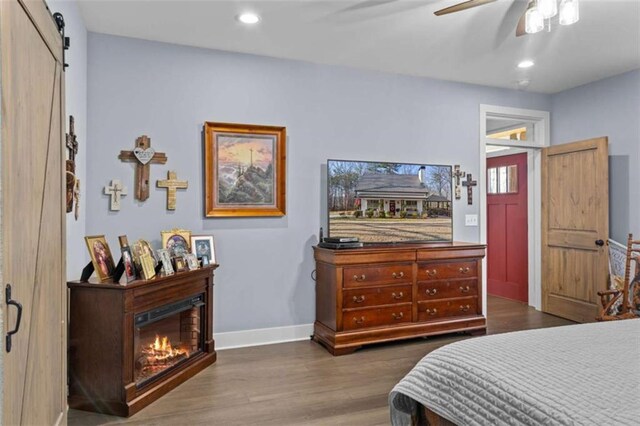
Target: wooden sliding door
(33, 227)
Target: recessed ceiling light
(526, 64)
(249, 18)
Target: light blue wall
(76, 105)
(609, 107)
(167, 92)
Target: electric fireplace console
(131, 344)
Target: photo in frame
(245, 170)
(165, 258)
(141, 247)
(177, 241)
(203, 245)
(205, 260)
(179, 264)
(148, 267)
(192, 261)
(130, 271)
(100, 256)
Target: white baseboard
(262, 336)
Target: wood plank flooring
(301, 383)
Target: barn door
(33, 229)
(575, 226)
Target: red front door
(507, 243)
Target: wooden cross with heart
(144, 156)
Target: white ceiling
(399, 36)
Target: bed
(586, 374)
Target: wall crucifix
(116, 190)
(457, 176)
(172, 184)
(72, 146)
(143, 155)
(469, 183)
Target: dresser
(385, 293)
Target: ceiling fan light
(533, 21)
(548, 8)
(569, 12)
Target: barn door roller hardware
(66, 42)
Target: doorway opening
(506, 132)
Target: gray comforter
(586, 374)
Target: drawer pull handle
(397, 316)
(464, 270)
(396, 276)
(464, 289)
(432, 292)
(432, 311)
(358, 299)
(360, 278)
(464, 308)
(397, 296)
(358, 320)
(432, 273)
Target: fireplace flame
(161, 350)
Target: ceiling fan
(533, 15)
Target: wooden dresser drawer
(439, 271)
(434, 290)
(447, 308)
(375, 317)
(401, 273)
(386, 295)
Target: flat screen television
(389, 202)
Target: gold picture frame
(177, 241)
(100, 256)
(255, 152)
(148, 268)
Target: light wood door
(33, 228)
(575, 225)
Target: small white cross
(116, 190)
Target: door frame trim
(542, 135)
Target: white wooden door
(575, 227)
(33, 227)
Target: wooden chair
(615, 302)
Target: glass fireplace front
(166, 337)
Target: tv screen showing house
(389, 202)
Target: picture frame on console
(100, 256)
(237, 155)
(176, 241)
(179, 264)
(165, 258)
(192, 261)
(148, 267)
(203, 246)
(140, 248)
(130, 272)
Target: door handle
(599, 243)
(18, 319)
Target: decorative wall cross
(116, 191)
(469, 183)
(72, 146)
(457, 175)
(172, 184)
(143, 155)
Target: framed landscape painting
(245, 168)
